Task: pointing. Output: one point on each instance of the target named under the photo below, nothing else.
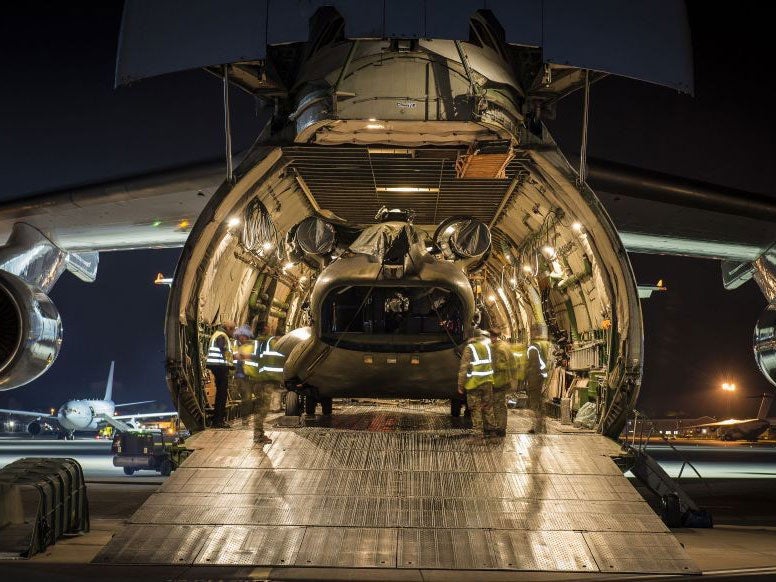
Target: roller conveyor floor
(381, 485)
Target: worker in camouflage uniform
(475, 379)
(504, 378)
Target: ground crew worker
(219, 361)
(475, 379)
(269, 374)
(504, 378)
(246, 363)
(274, 382)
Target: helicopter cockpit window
(393, 316)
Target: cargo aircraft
(86, 414)
(749, 429)
(426, 107)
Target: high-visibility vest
(216, 357)
(271, 363)
(250, 358)
(481, 367)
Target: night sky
(63, 124)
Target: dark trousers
(221, 378)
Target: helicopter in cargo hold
(392, 306)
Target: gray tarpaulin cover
(376, 240)
(471, 239)
(316, 236)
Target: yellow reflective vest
(249, 352)
(217, 356)
(271, 363)
(481, 366)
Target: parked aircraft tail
(109, 385)
(765, 406)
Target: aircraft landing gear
(293, 405)
(129, 471)
(70, 436)
(309, 405)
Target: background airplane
(748, 429)
(86, 413)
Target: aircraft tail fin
(109, 385)
(765, 406)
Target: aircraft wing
(723, 423)
(27, 413)
(145, 415)
(158, 209)
(131, 403)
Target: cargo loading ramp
(403, 488)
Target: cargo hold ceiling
(354, 182)
(649, 41)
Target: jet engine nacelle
(765, 343)
(34, 428)
(30, 332)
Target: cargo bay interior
(554, 277)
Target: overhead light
(576, 227)
(528, 268)
(302, 279)
(492, 298)
(372, 119)
(232, 222)
(302, 333)
(513, 281)
(288, 265)
(450, 230)
(549, 253)
(375, 126)
(405, 189)
(508, 257)
(266, 245)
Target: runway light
(405, 189)
(232, 222)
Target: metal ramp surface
(389, 487)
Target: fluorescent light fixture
(375, 126)
(405, 189)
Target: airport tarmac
(743, 504)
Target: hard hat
(243, 330)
